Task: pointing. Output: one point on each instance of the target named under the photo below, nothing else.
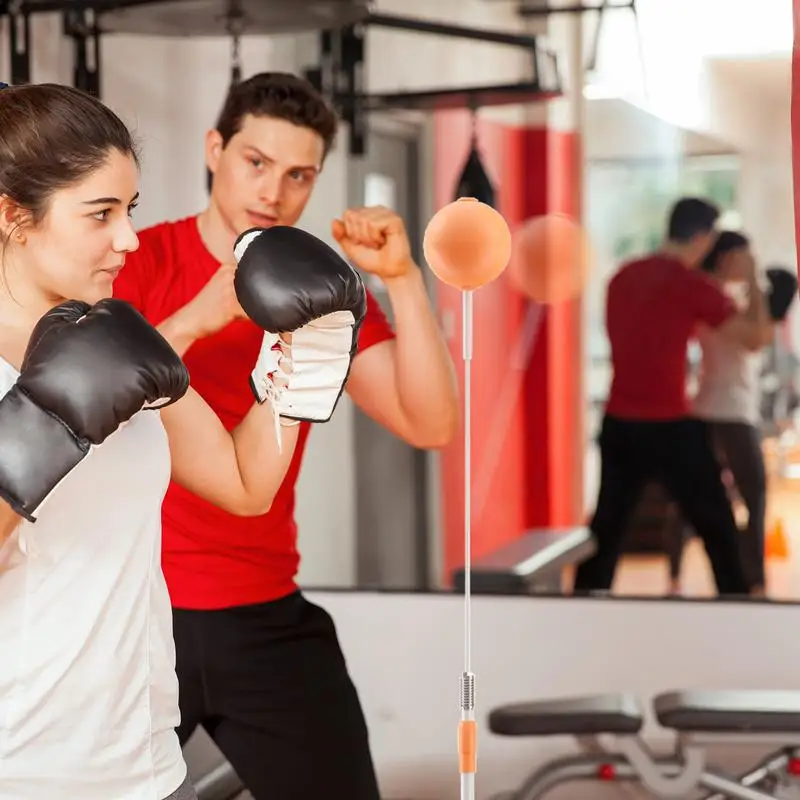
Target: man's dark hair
(691, 217)
(726, 241)
(281, 95)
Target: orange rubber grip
(467, 746)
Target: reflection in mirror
(739, 377)
(647, 133)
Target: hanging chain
(235, 26)
(473, 120)
(236, 59)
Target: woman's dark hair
(52, 137)
(726, 241)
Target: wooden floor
(649, 575)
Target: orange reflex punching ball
(467, 244)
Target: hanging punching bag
(474, 180)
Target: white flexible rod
(467, 731)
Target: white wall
(170, 91)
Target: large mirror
(638, 164)
(720, 134)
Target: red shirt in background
(213, 559)
(652, 308)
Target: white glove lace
(274, 369)
(303, 378)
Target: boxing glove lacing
(275, 368)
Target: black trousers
(679, 454)
(270, 685)
(738, 447)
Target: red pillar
(527, 434)
(554, 380)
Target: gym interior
(603, 111)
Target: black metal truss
(339, 73)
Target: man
(653, 306)
(260, 667)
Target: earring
(20, 237)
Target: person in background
(728, 396)
(259, 666)
(653, 306)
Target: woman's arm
(240, 471)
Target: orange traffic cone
(777, 546)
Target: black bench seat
(765, 712)
(530, 564)
(578, 716)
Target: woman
(728, 398)
(96, 413)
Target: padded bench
(757, 712)
(532, 563)
(626, 757)
(593, 714)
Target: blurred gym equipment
(697, 718)
(532, 564)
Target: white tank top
(88, 691)
(728, 388)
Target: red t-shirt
(652, 308)
(213, 559)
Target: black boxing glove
(781, 291)
(290, 282)
(87, 370)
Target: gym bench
(532, 564)
(696, 718)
